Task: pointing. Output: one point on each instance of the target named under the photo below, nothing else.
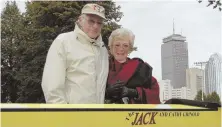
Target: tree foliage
(12, 45)
(213, 97)
(214, 3)
(199, 96)
(27, 37)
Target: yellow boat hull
(162, 115)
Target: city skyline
(201, 26)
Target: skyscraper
(213, 74)
(174, 59)
(194, 80)
(165, 90)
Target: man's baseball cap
(94, 9)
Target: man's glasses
(91, 22)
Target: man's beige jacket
(76, 69)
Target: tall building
(213, 74)
(165, 90)
(174, 59)
(194, 80)
(181, 93)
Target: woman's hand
(129, 92)
(115, 90)
(119, 90)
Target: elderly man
(76, 67)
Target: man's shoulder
(65, 35)
(65, 38)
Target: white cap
(94, 9)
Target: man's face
(92, 25)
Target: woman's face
(120, 49)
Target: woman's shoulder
(135, 59)
(139, 59)
(142, 63)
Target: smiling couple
(80, 69)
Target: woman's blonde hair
(122, 33)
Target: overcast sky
(153, 21)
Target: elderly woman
(129, 80)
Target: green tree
(44, 21)
(213, 97)
(12, 44)
(199, 96)
(214, 3)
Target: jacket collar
(84, 38)
(115, 65)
